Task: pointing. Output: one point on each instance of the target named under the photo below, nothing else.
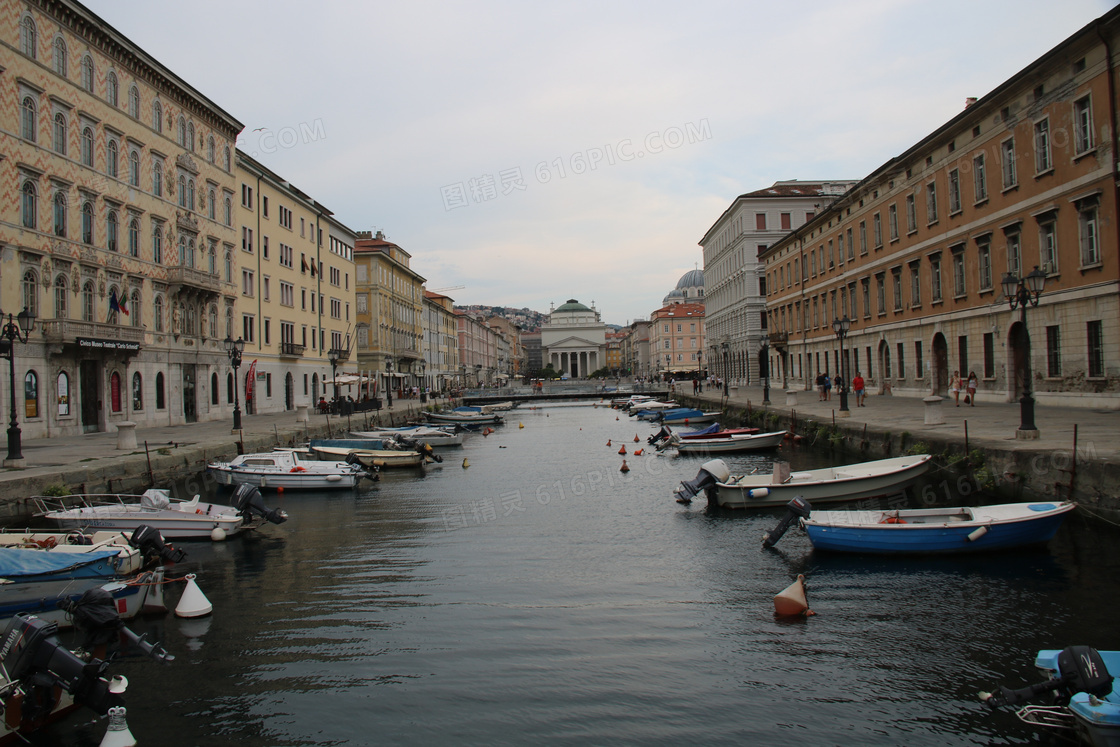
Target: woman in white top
(955, 387)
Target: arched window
(229, 322)
(60, 297)
(111, 226)
(134, 168)
(87, 222)
(134, 309)
(31, 292)
(62, 386)
(88, 302)
(228, 212)
(137, 391)
(157, 116)
(210, 149)
(134, 237)
(228, 268)
(115, 404)
(157, 314)
(134, 102)
(29, 205)
(157, 244)
(60, 56)
(190, 194)
(31, 394)
(182, 131)
(211, 204)
(112, 89)
(157, 179)
(212, 257)
(160, 401)
(60, 213)
(213, 321)
(190, 320)
(214, 389)
(59, 134)
(28, 37)
(229, 388)
(28, 119)
(87, 73)
(182, 191)
(87, 147)
(226, 158)
(190, 137)
(111, 159)
(182, 261)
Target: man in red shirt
(857, 387)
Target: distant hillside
(527, 319)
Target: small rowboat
(738, 442)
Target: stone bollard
(301, 414)
(934, 415)
(791, 398)
(126, 435)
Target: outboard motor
(150, 543)
(660, 436)
(710, 473)
(247, 499)
(796, 510)
(1080, 670)
(429, 453)
(95, 615)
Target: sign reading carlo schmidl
(95, 344)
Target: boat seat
(800, 476)
(188, 506)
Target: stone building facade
(574, 339)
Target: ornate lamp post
(18, 329)
(389, 386)
(234, 348)
(764, 361)
(1020, 293)
(700, 368)
(423, 382)
(841, 327)
(726, 369)
(333, 356)
(478, 375)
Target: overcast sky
(534, 152)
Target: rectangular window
(246, 196)
(1053, 353)
(896, 283)
(989, 355)
(265, 286)
(851, 246)
(866, 298)
(1048, 246)
(831, 255)
(881, 292)
(979, 178)
(954, 192)
(264, 206)
(901, 361)
(1082, 125)
(840, 248)
(267, 329)
(287, 294)
(911, 214)
(264, 247)
(1089, 236)
(931, 202)
(1014, 255)
(892, 222)
(246, 239)
(984, 262)
(247, 283)
(1042, 162)
(862, 237)
(248, 327)
(1007, 154)
(962, 355)
(958, 274)
(919, 363)
(760, 221)
(935, 279)
(1096, 349)
(785, 221)
(878, 225)
(915, 285)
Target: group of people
(956, 386)
(825, 385)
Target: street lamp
(333, 356)
(478, 375)
(700, 369)
(423, 382)
(726, 353)
(389, 385)
(18, 329)
(1020, 293)
(764, 364)
(841, 327)
(234, 349)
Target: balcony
(67, 332)
(292, 350)
(778, 339)
(191, 277)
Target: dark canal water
(540, 595)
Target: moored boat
(287, 469)
(738, 442)
(465, 416)
(686, 416)
(416, 433)
(379, 458)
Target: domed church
(690, 289)
(574, 339)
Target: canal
(536, 593)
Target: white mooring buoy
(193, 603)
(118, 735)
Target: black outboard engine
(247, 499)
(150, 543)
(95, 614)
(710, 473)
(660, 436)
(430, 454)
(796, 510)
(1080, 670)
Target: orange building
(676, 341)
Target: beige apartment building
(296, 293)
(676, 340)
(441, 343)
(390, 311)
(914, 254)
(117, 227)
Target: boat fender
(298, 468)
(758, 492)
(977, 533)
(895, 519)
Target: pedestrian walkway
(990, 424)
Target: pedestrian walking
(973, 382)
(857, 387)
(838, 382)
(955, 387)
(827, 387)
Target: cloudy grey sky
(533, 152)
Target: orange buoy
(616, 417)
(622, 450)
(608, 440)
(636, 439)
(792, 601)
(624, 467)
(638, 452)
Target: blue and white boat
(20, 565)
(930, 530)
(686, 416)
(466, 416)
(1079, 691)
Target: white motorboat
(376, 458)
(193, 519)
(737, 442)
(465, 416)
(47, 600)
(419, 433)
(287, 469)
(850, 482)
(34, 556)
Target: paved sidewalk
(992, 425)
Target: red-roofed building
(676, 339)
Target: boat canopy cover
(713, 428)
(156, 498)
(16, 562)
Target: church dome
(572, 305)
(691, 279)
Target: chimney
(969, 101)
(380, 235)
(364, 235)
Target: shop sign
(90, 343)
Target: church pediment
(574, 343)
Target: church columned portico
(575, 363)
(573, 341)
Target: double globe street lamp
(764, 366)
(234, 348)
(19, 328)
(389, 381)
(1020, 293)
(841, 327)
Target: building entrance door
(190, 406)
(88, 390)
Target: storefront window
(63, 394)
(31, 395)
